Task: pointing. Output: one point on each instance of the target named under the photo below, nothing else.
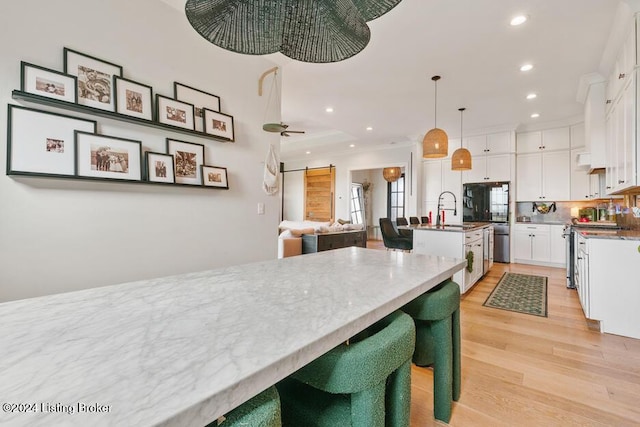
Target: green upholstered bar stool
(262, 410)
(366, 383)
(437, 317)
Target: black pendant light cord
(435, 102)
(461, 110)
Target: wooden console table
(312, 243)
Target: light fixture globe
(435, 144)
(461, 159)
(391, 174)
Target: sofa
(290, 238)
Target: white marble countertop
(185, 349)
(456, 228)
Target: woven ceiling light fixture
(436, 142)
(461, 159)
(391, 174)
(310, 31)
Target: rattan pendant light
(391, 174)
(461, 159)
(436, 142)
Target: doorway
(319, 190)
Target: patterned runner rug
(523, 293)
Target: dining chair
(363, 383)
(392, 239)
(401, 221)
(424, 219)
(262, 410)
(413, 220)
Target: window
(395, 199)
(357, 204)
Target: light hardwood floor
(524, 370)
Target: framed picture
(95, 79)
(199, 99)
(50, 83)
(218, 124)
(45, 149)
(214, 176)
(102, 156)
(133, 98)
(173, 112)
(188, 157)
(159, 167)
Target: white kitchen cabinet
(539, 244)
(489, 168)
(494, 143)
(439, 177)
(609, 290)
(546, 140)
(585, 186)
(543, 176)
(455, 244)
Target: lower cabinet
(607, 283)
(323, 242)
(540, 244)
(455, 244)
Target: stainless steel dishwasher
(501, 252)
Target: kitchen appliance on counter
(569, 234)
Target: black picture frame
(173, 112)
(154, 173)
(215, 177)
(188, 157)
(139, 105)
(47, 149)
(200, 100)
(121, 158)
(219, 124)
(49, 83)
(94, 78)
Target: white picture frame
(218, 124)
(133, 99)
(188, 159)
(160, 167)
(174, 113)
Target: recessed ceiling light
(526, 67)
(532, 96)
(535, 115)
(369, 128)
(329, 109)
(308, 152)
(352, 145)
(518, 20)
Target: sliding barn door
(319, 186)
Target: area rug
(523, 293)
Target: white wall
(61, 235)
(345, 163)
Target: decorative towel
(270, 184)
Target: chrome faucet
(440, 206)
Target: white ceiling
(478, 54)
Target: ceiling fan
(281, 128)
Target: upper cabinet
(549, 140)
(491, 156)
(622, 155)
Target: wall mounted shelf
(70, 106)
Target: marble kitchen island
(457, 240)
(184, 350)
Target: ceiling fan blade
(295, 131)
(274, 127)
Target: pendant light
(461, 159)
(436, 142)
(391, 174)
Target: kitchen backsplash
(565, 211)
